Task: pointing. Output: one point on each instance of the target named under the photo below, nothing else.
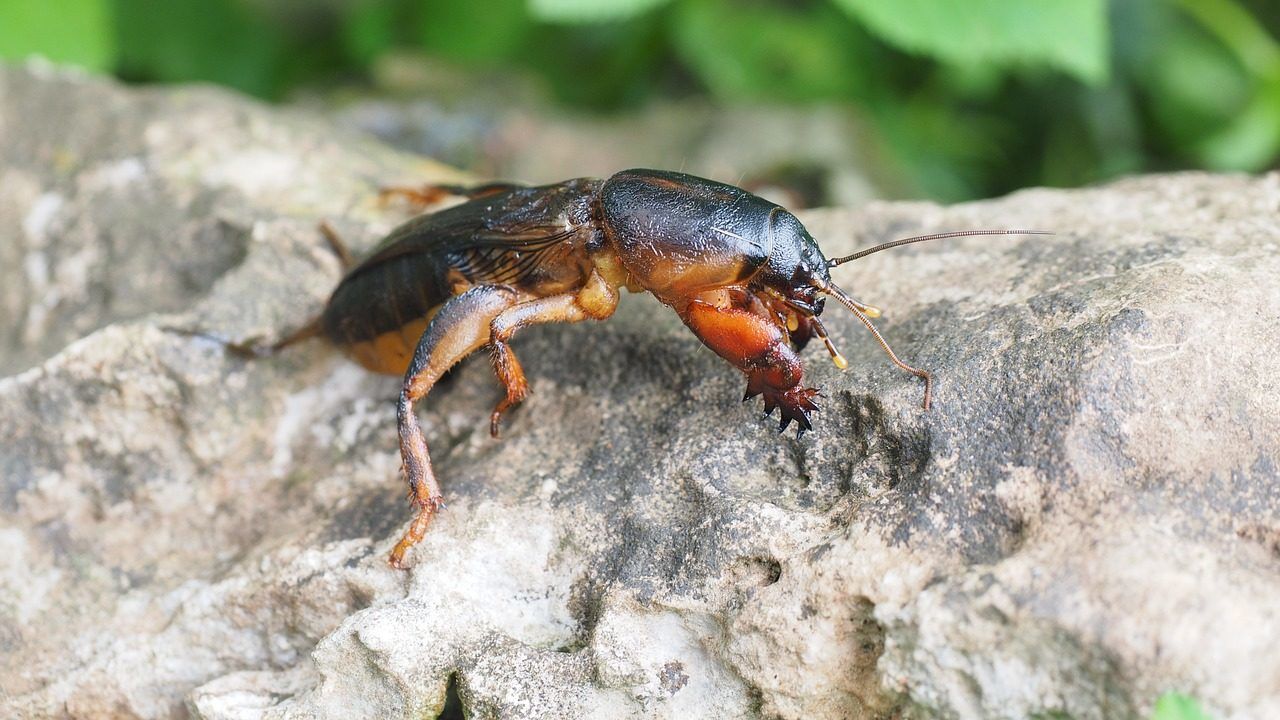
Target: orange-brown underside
(390, 352)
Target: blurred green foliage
(970, 98)
(74, 31)
(1176, 706)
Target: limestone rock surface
(1086, 518)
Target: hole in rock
(452, 701)
(756, 571)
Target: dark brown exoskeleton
(741, 272)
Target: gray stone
(1086, 518)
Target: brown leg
(595, 301)
(425, 196)
(757, 345)
(459, 328)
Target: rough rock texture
(1087, 517)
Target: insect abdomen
(378, 313)
(527, 239)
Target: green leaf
(72, 31)
(770, 52)
(185, 40)
(1251, 141)
(1194, 87)
(586, 11)
(480, 32)
(1070, 35)
(603, 67)
(939, 153)
(1237, 29)
(368, 29)
(1176, 706)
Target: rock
(1086, 518)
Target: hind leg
(458, 329)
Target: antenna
(936, 236)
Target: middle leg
(596, 300)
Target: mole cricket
(741, 272)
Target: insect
(741, 272)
